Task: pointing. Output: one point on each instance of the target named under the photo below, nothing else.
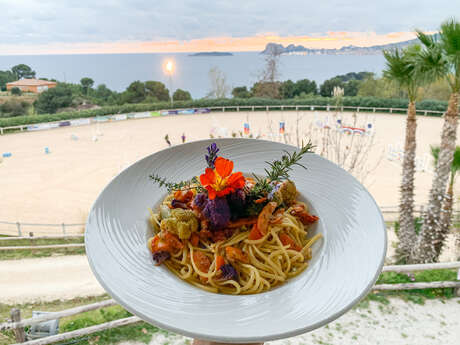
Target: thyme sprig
(193, 183)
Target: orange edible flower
(220, 181)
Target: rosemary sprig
(193, 183)
(279, 171)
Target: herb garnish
(173, 186)
(279, 171)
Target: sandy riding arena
(53, 176)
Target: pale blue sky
(42, 22)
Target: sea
(190, 73)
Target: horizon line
(332, 40)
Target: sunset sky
(135, 26)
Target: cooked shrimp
(264, 216)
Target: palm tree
(446, 212)
(400, 68)
(440, 59)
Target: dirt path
(397, 323)
(46, 279)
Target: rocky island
(211, 54)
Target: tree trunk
(406, 233)
(426, 249)
(445, 219)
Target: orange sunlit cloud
(232, 44)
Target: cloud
(115, 22)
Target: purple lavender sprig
(212, 155)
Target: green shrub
(319, 102)
(16, 91)
(13, 107)
(53, 99)
(181, 95)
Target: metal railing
(272, 108)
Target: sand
(60, 187)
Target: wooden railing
(20, 226)
(17, 325)
(5, 241)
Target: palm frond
(456, 161)
(450, 37)
(427, 40)
(435, 154)
(396, 68)
(450, 44)
(401, 68)
(431, 64)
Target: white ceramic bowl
(345, 264)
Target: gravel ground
(437, 322)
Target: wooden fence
(19, 227)
(17, 324)
(4, 241)
(277, 107)
(389, 213)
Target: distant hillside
(211, 54)
(346, 50)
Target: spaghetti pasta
(207, 241)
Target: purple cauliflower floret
(229, 272)
(237, 203)
(217, 212)
(160, 257)
(200, 200)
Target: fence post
(223, 109)
(63, 228)
(238, 108)
(1, 131)
(391, 110)
(457, 290)
(357, 110)
(19, 333)
(266, 108)
(19, 229)
(252, 108)
(373, 110)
